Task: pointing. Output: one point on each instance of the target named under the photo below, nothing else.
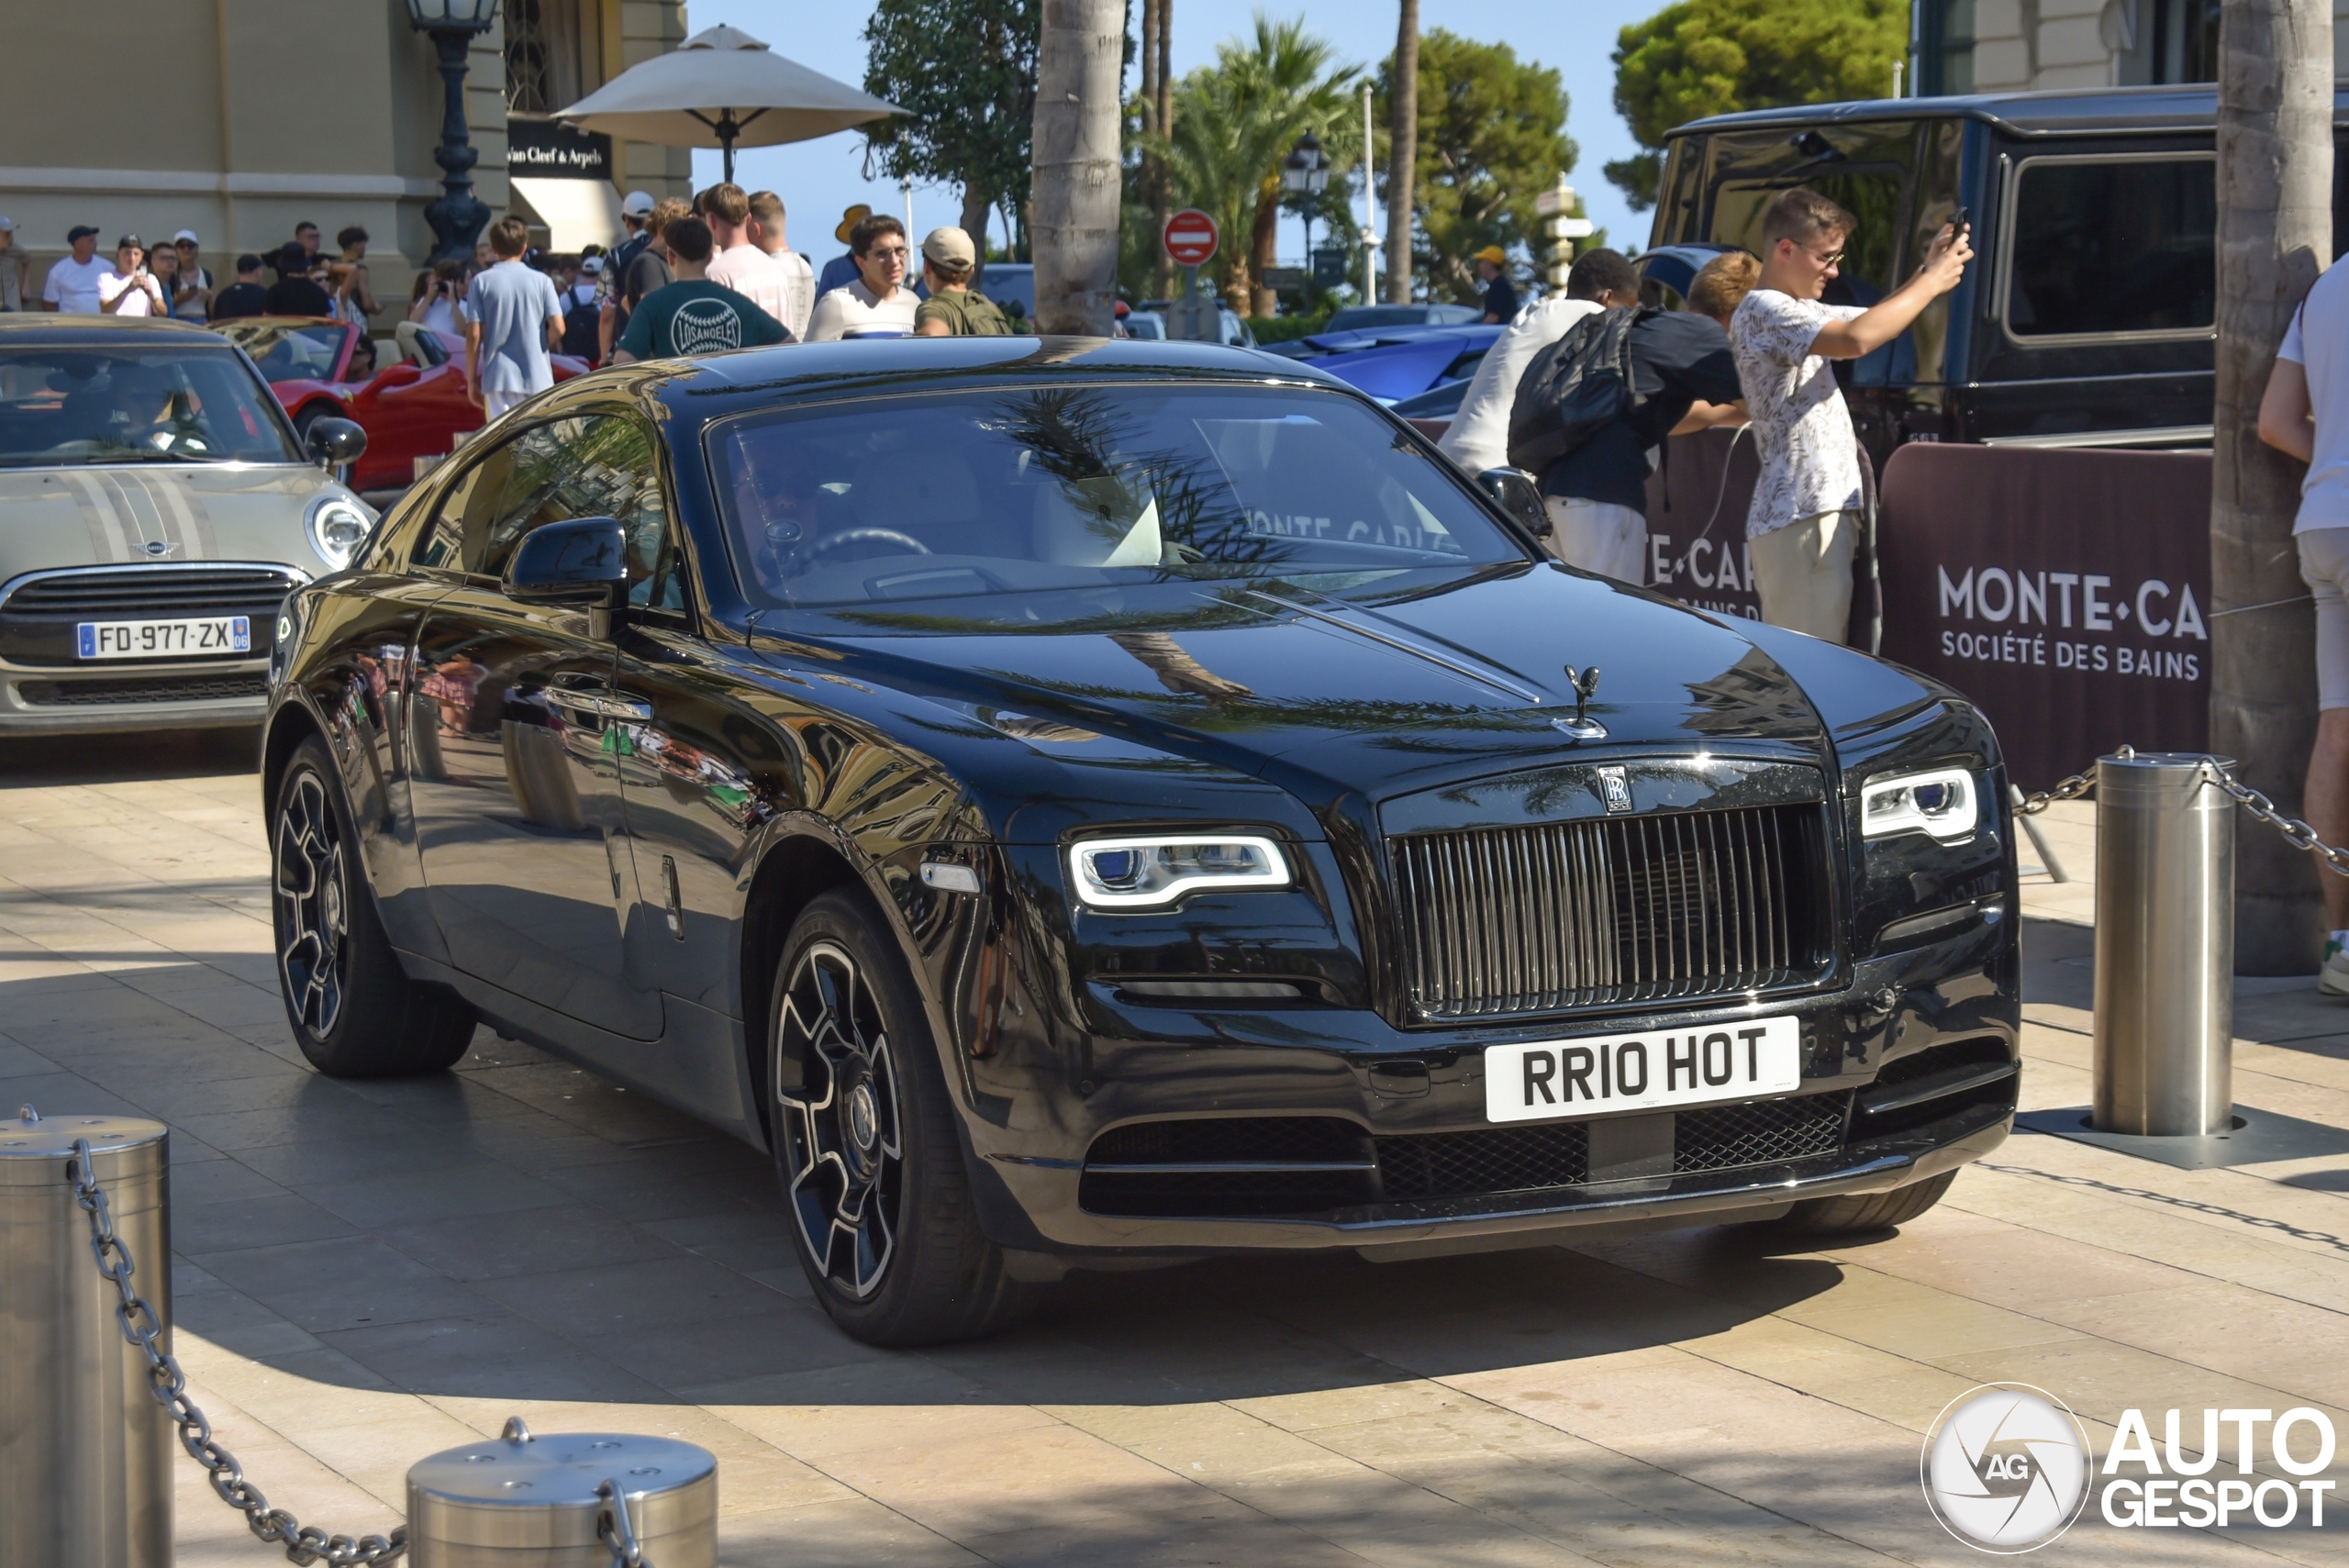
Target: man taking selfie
(1805, 519)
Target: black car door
(517, 736)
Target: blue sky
(819, 179)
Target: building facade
(240, 118)
(1996, 45)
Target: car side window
(452, 541)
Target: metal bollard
(567, 1500)
(2165, 946)
(85, 1453)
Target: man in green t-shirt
(694, 316)
(955, 310)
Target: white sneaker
(2334, 979)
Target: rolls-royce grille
(37, 617)
(1563, 915)
(1263, 1167)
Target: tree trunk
(1263, 245)
(1147, 181)
(2274, 236)
(976, 204)
(1075, 228)
(1402, 154)
(1164, 82)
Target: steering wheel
(866, 535)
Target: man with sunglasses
(878, 305)
(1804, 521)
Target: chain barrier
(305, 1544)
(614, 1528)
(2296, 833)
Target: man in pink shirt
(739, 264)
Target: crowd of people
(717, 271)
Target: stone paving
(366, 1273)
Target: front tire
(1858, 1213)
(866, 1146)
(354, 1011)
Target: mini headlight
(1134, 873)
(1941, 803)
(338, 527)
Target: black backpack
(1575, 388)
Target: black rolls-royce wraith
(1090, 803)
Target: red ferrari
(408, 410)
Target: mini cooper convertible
(1087, 804)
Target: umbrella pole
(727, 144)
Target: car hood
(1326, 698)
(106, 515)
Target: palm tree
(1079, 64)
(2274, 234)
(1234, 122)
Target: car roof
(2176, 106)
(718, 382)
(50, 327)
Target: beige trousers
(1803, 573)
(1600, 537)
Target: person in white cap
(12, 267)
(195, 301)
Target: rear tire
(1860, 1212)
(354, 1011)
(866, 1145)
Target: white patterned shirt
(1810, 455)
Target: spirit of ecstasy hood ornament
(1582, 726)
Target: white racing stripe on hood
(112, 536)
(184, 521)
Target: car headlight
(1943, 803)
(338, 527)
(1136, 874)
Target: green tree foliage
(965, 70)
(1715, 57)
(1234, 123)
(1492, 138)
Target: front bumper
(99, 698)
(1947, 1016)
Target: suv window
(589, 465)
(2111, 245)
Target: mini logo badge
(1614, 787)
(160, 548)
(2006, 1468)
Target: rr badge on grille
(1615, 786)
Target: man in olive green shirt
(955, 310)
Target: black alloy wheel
(313, 906)
(354, 1011)
(846, 1164)
(865, 1143)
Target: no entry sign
(1189, 238)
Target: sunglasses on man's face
(888, 252)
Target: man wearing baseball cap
(194, 280)
(12, 268)
(636, 213)
(73, 286)
(1500, 294)
(128, 288)
(955, 310)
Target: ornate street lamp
(1305, 174)
(458, 216)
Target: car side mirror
(334, 442)
(577, 559)
(1516, 492)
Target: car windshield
(1363, 318)
(1046, 504)
(135, 403)
(287, 350)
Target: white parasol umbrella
(719, 88)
